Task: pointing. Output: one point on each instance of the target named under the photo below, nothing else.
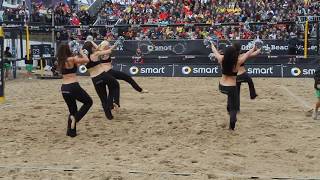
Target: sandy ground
(177, 131)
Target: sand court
(177, 131)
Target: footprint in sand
(38, 107)
(292, 150)
(95, 135)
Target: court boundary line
(234, 175)
(5, 106)
(301, 101)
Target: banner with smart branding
(194, 70)
(194, 51)
(161, 70)
(209, 70)
(196, 47)
(214, 70)
(300, 71)
(264, 70)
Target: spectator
(7, 64)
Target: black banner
(299, 71)
(36, 52)
(148, 70)
(46, 51)
(264, 70)
(195, 70)
(194, 51)
(209, 70)
(196, 47)
(41, 51)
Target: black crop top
(92, 64)
(69, 71)
(229, 73)
(105, 60)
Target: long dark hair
(230, 59)
(88, 46)
(63, 54)
(237, 46)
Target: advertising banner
(187, 70)
(194, 51)
(36, 52)
(196, 70)
(299, 71)
(264, 70)
(148, 70)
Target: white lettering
(159, 48)
(260, 70)
(152, 70)
(308, 71)
(205, 70)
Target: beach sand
(177, 131)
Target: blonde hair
(103, 45)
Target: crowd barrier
(214, 70)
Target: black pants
(233, 104)
(72, 93)
(246, 78)
(123, 76)
(100, 82)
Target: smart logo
(260, 71)
(199, 70)
(134, 70)
(147, 70)
(297, 71)
(186, 70)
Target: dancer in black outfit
(243, 76)
(106, 63)
(230, 63)
(71, 90)
(101, 79)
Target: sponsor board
(197, 70)
(148, 70)
(304, 71)
(194, 51)
(264, 70)
(41, 51)
(213, 70)
(36, 52)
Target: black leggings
(123, 76)
(233, 104)
(100, 82)
(72, 93)
(246, 78)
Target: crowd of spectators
(185, 12)
(63, 15)
(211, 12)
